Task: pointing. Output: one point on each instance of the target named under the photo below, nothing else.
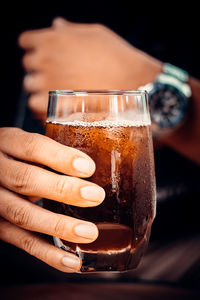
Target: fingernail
(71, 262)
(88, 231)
(93, 193)
(84, 165)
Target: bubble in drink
(123, 153)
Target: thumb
(59, 22)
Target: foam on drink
(139, 120)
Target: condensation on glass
(113, 128)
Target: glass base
(114, 262)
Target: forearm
(186, 139)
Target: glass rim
(98, 92)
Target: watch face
(168, 105)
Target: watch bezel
(158, 87)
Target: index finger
(40, 149)
(30, 39)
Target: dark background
(161, 30)
(169, 34)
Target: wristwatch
(168, 98)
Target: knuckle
(45, 255)
(21, 179)
(98, 27)
(59, 227)
(29, 244)
(62, 186)
(19, 216)
(31, 142)
(7, 131)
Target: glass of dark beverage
(113, 128)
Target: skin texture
(23, 157)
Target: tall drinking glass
(113, 128)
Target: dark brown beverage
(123, 155)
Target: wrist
(147, 68)
(186, 138)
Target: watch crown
(148, 87)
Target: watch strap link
(173, 81)
(176, 72)
(176, 77)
